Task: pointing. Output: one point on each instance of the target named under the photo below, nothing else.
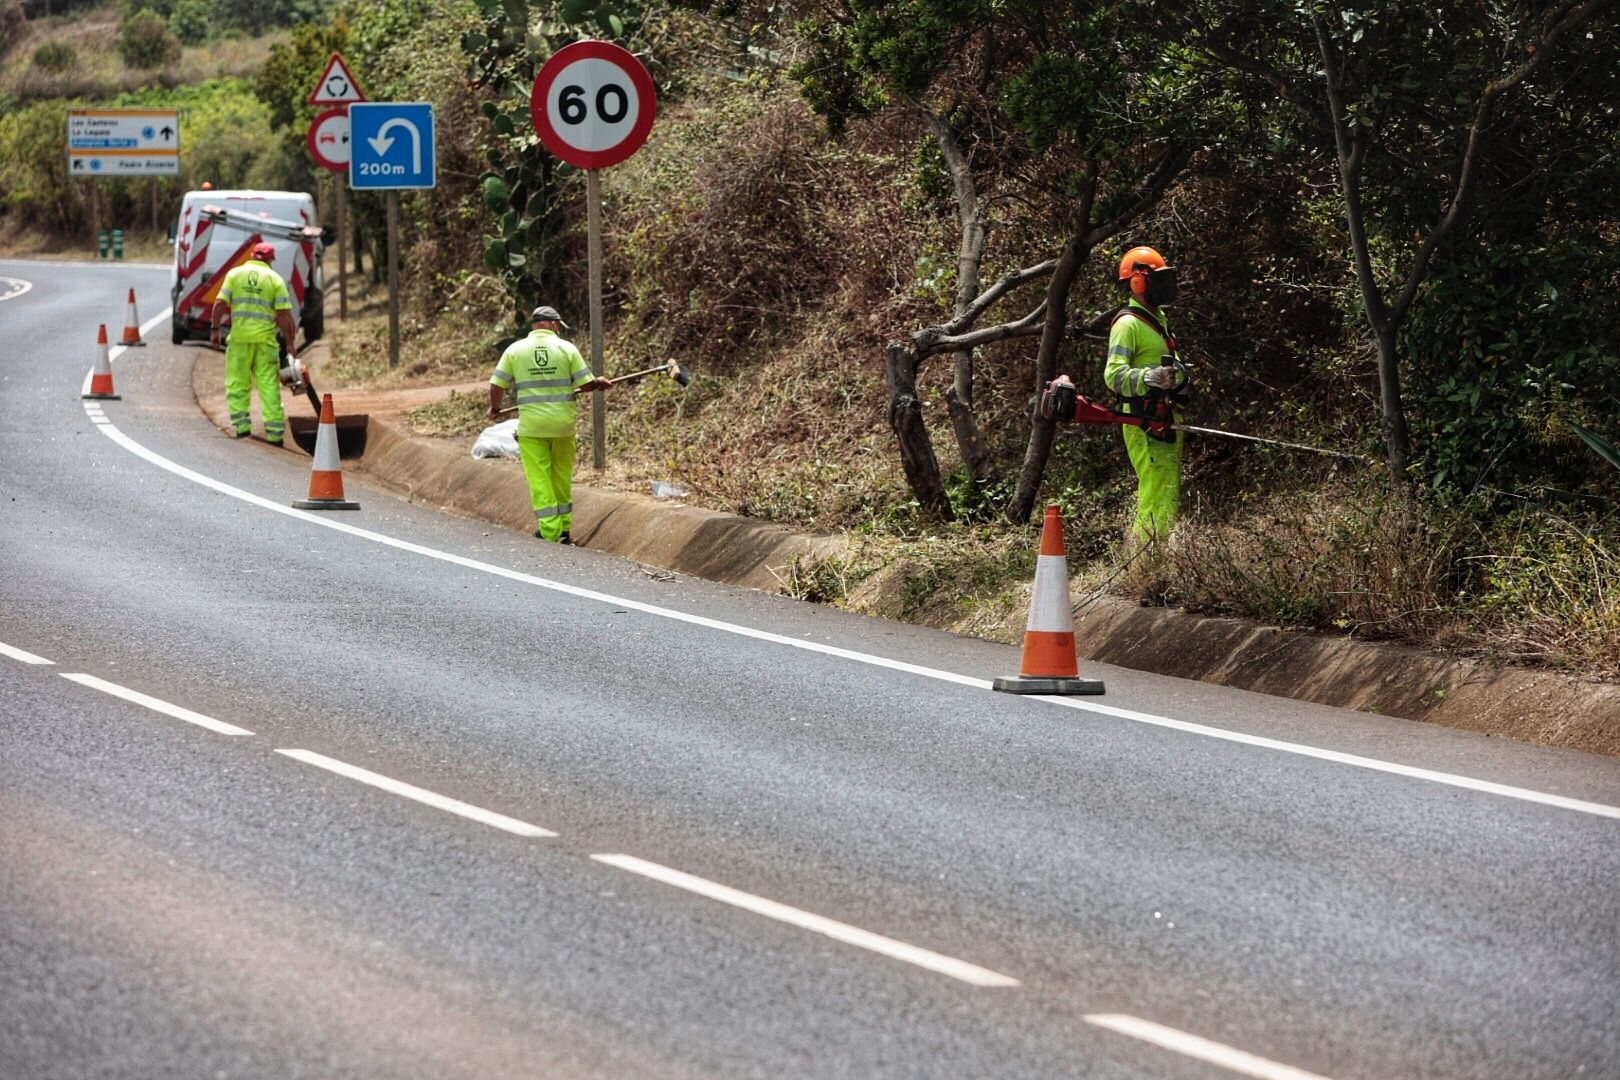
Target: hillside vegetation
(1413, 258)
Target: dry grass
(98, 72)
(19, 240)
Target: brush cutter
(351, 428)
(681, 375)
(1062, 402)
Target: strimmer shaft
(1271, 442)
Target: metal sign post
(593, 248)
(592, 105)
(328, 140)
(392, 147)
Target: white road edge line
(421, 795)
(850, 935)
(26, 285)
(19, 654)
(1229, 1058)
(1431, 775)
(154, 704)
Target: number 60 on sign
(593, 104)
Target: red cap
(264, 252)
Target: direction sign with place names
(391, 145)
(328, 139)
(123, 142)
(337, 85)
(593, 104)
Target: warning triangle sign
(337, 85)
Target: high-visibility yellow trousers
(1158, 483)
(549, 466)
(247, 366)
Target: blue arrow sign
(391, 145)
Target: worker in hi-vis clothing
(544, 372)
(1142, 367)
(256, 299)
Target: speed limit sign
(593, 104)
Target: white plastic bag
(498, 440)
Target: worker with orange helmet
(1142, 367)
(255, 298)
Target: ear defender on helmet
(1139, 267)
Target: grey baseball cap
(547, 313)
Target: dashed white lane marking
(19, 654)
(21, 287)
(155, 704)
(1355, 760)
(1228, 1058)
(850, 935)
(421, 795)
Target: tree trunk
(916, 448)
(975, 455)
(1042, 431)
(1396, 442)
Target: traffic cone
(326, 472)
(1048, 665)
(132, 325)
(101, 385)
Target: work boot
(565, 539)
(243, 434)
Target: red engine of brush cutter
(1063, 402)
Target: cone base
(1036, 684)
(101, 397)
(325, 504)
(133, 344)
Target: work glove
(1162, 377)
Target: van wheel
(314, 317)
(177, 332)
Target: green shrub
(192, 21)
(55, 56)
(145, 43)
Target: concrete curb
(704, 543)
(1391, 680)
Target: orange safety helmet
(1138, 266)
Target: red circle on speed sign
(593, 104)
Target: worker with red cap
(1142, 367)
(255, 299)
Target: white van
(207, 244)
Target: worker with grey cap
(544, 372)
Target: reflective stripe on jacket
(542, 371)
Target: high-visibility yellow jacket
(543, 369)
(255, 293)
(1133, 347)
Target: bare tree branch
(1004, 284)
(933, 339)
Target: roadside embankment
(1392, 680)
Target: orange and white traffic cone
(132, 325)
(326, 472)
(1049, 665)
(101, 384)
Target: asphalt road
(658, 827)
